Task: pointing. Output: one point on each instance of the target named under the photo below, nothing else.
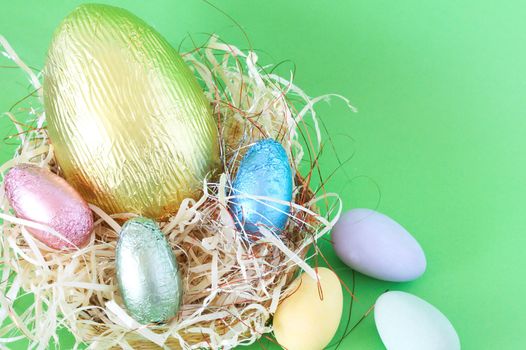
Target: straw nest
(232, 288)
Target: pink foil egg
(36, 194)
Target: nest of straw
(232, 288)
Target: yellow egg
(131, 128)
(304, 321)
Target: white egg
(377, 246)
(406, 322)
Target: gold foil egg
(131, 128)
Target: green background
(438, 141)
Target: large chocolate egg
(130, 125)
(38, 195)
(263, 182)
(147, 272)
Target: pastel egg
(305, 321)
(147, 272)
(406, 322)
(131, 128)
(377, 246)
(38, 195)
(264, 171)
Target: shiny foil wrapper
(263, 172)
(147, 272)
(131, 128)
(38, 195)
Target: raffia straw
(232, 288)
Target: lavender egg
(264, 171)
(375, 245)
(36, 194)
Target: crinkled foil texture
(38, 195)
(130, 125)
(264, 171)
(148, 274)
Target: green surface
(440, 90)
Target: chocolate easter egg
(305, 320)
(131, 128)
(264, 176)
(147, 272)
(38, 195)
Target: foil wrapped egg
(36, 194)
(131, 128)
(147, 272)
(264, 175)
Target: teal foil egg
(264, 171)
(147, 272)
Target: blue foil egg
(147, 272)
(264, 171)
